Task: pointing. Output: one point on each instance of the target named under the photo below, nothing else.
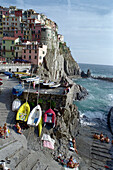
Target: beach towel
(46, 137)
(48, 144)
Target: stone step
(97, 167)
(101, 158)
(99, 143)
(105, 155)
(96, 145)
(97, 162)
(28, 162)
(10, 149)
(102, 150)
(18, 157)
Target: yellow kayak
(23, 112)
(40, 127)
(21, 73)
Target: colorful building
(34, 52)
(8, 47)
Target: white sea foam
(91, 118)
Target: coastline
(83, 136)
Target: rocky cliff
(58, 62)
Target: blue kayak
(8, 74)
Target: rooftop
(9, 38)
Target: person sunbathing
(18, 128)
(71, 163)
(95, 136)
(101, 135)
(107, 140)
(74, 145)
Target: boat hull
(35, 116)
(23, 112)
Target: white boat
(55, 85)
(36, 79)
(16, 105)
(48, 84)
(35, 116)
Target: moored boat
(16, 104)
(35, 116)
(17, 90)
(55, 85)
(8, 74)
(23, 112)
(49, 117)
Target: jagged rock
(57, 64)
(80, 92)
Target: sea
(95, 107)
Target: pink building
(36, 32)
(30, 52)
(34, 52)
(18, 34)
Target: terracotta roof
(9, 38)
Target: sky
(87, 25)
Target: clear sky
(87, 25)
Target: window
(11, 48)
(35, 57)
(40, 57)
(39, 31)
(21, 32)
(4, 52)
(24, 56)
(12, 53)
(3, 47)
(38, 36)
(43, 52)
(48, 35)
(24, 51)
(3, 41)
(29, 57)
(15, 19)
(35, 51)
(7, 19)
(12, 42)
(7, 23)
(35, 36)
(29, 51)
(15, 23)
(12, 19)
(16, 32)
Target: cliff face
(58, 62)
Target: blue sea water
(94, 109)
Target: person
(71, 163)
(6, 133)
(95, 136)
(101, 137)
(74, 145)
(1, 132)
(18, 128)
(107, 140)
(33, 84)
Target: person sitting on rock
(74, 145)
(71, 163)
(107, 140)
(18, 128)
(6, 133)
(95, 136)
